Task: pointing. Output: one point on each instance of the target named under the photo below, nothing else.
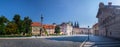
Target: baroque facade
(36, 26)
(109, 20)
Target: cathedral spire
(72, 24)
(77, 25)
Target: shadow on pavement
(100, 41)
(71, 38)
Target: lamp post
(41, 25)
(106, 31)
(88, 32)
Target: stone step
(99, 43)
(109, 45)
(88, 44)
(102, 44)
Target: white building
(66, 28)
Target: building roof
(95, 25)
(36, 24)
(83, 28)
(106, 7)
(46, 26)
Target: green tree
(45, 31)
(3, 21)
(27, 25)
(16, 26)
(11, 28)
(17, 21)
(57, 29)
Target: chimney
(101, 5)
(109, 3)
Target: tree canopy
(15, 26)
(57, 29)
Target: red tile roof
(46, 26)
(36, 24)
(49, 26)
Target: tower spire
(77, 25)
(41, 29)
(41, 18)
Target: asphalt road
(69, 41)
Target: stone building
(76, 31)
(109, 20)
(76, 28)
(95, 29)
(85, 30)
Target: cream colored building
(36, 28)
(49, 28)
(109, 20)
(95, 29)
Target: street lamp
(106, 31)
(41, 25)
(88, 32)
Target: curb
(83, 43)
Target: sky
(55, 11)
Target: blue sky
(54, 11)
